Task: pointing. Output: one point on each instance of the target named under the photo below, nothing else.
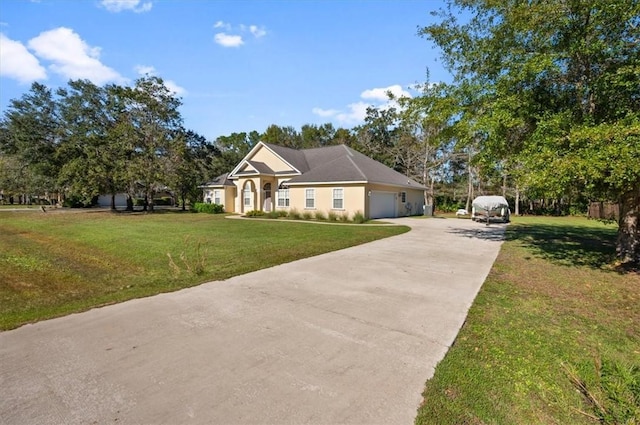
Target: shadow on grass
(567, 244)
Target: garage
(382, 205)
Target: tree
(194, 164)
(425, 140)
(558, 88)
(154, 127)
(283, 136)
(93, 150)
(376, 138)
(342, 136)
(29, 139)
(316, 136)
(232, 149)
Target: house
(221, 191)
(329, 179)
(163, 196)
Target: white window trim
(286, 199)
(306, 198)
(403, 195)
(246, 196)
(333, 198)
(217, 198)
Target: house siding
(266, 156)
(356, 191)
(229, 199)
(353, 196)
(415, 197)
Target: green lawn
(58, 263)
(552, 338)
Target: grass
(58, 263)
(553, 337)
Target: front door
(267, 197)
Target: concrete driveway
(348, 337)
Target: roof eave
(303, 183)
(406, 186)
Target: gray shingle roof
(221, 180)
(340, 163)
(261, 167)
(329, 164)
(293, 156)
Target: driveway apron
(348, 337)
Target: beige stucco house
(333, 178)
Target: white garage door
(382, 204)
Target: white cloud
(136, 6)
(355, 113)
(170, 84)
(223, 25)
(72, 57)
(381, 94)
(175, 88)
(325, 112)
(143, 70)
(18, 63)
(257, 31)
(227, 40)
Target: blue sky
(237, 65)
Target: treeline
(84, 140)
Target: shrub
(358, 217)
(282, 213)
(272, 214)
(332, 216)
(447, 204)
(77, 201)
(320, 215)
(307, 215)
(255, 213)
(295, 214)
(201, 207)
(344, 217)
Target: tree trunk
(504, 185)
(113, 201)
(428, 201)
(184, 207)
(129, 203)
(517, 206)
(469, 187)
(149, 202)
(628, 243)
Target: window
(310, 198)
(247, 197)
(283, 197)
(216, 197)
(403, 197)
(338, 199)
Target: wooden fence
(604, 210)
